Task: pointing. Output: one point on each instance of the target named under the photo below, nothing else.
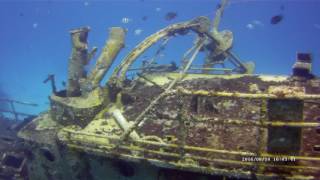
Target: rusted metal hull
(262, 131)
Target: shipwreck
(207, 119)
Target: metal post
(14, 111)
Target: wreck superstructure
(233, 124)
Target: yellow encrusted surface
(91, 100)
(164, 78)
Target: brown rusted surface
(313, 86)
(311, 136)
(213, 132)
(201, 114)
(241, 84)
(163, 120)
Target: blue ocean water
(35, 39)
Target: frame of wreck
(235, 124)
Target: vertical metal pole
(14, 111)
(53, 85)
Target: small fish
(257, 22)
(63, 83)
(158, 9)
(254, 24)
(21, 14)
(35, 25)
(137, 32)
(170, 16)
(282, 7)
(250, 26)
(144, 18)
(125, 20)
(317, 26)
(276, 19)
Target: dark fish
(282, 7)
(218, 6)
(21, 14)
(63, 83)
(170, 16)
(276, 19)
(144, 18)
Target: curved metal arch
(199, 25)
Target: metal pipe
(123, 123)
(19, 102)
(212, 69)
(110, 51)
(18, 113)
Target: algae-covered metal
(232, 124)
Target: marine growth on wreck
(212, 120)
